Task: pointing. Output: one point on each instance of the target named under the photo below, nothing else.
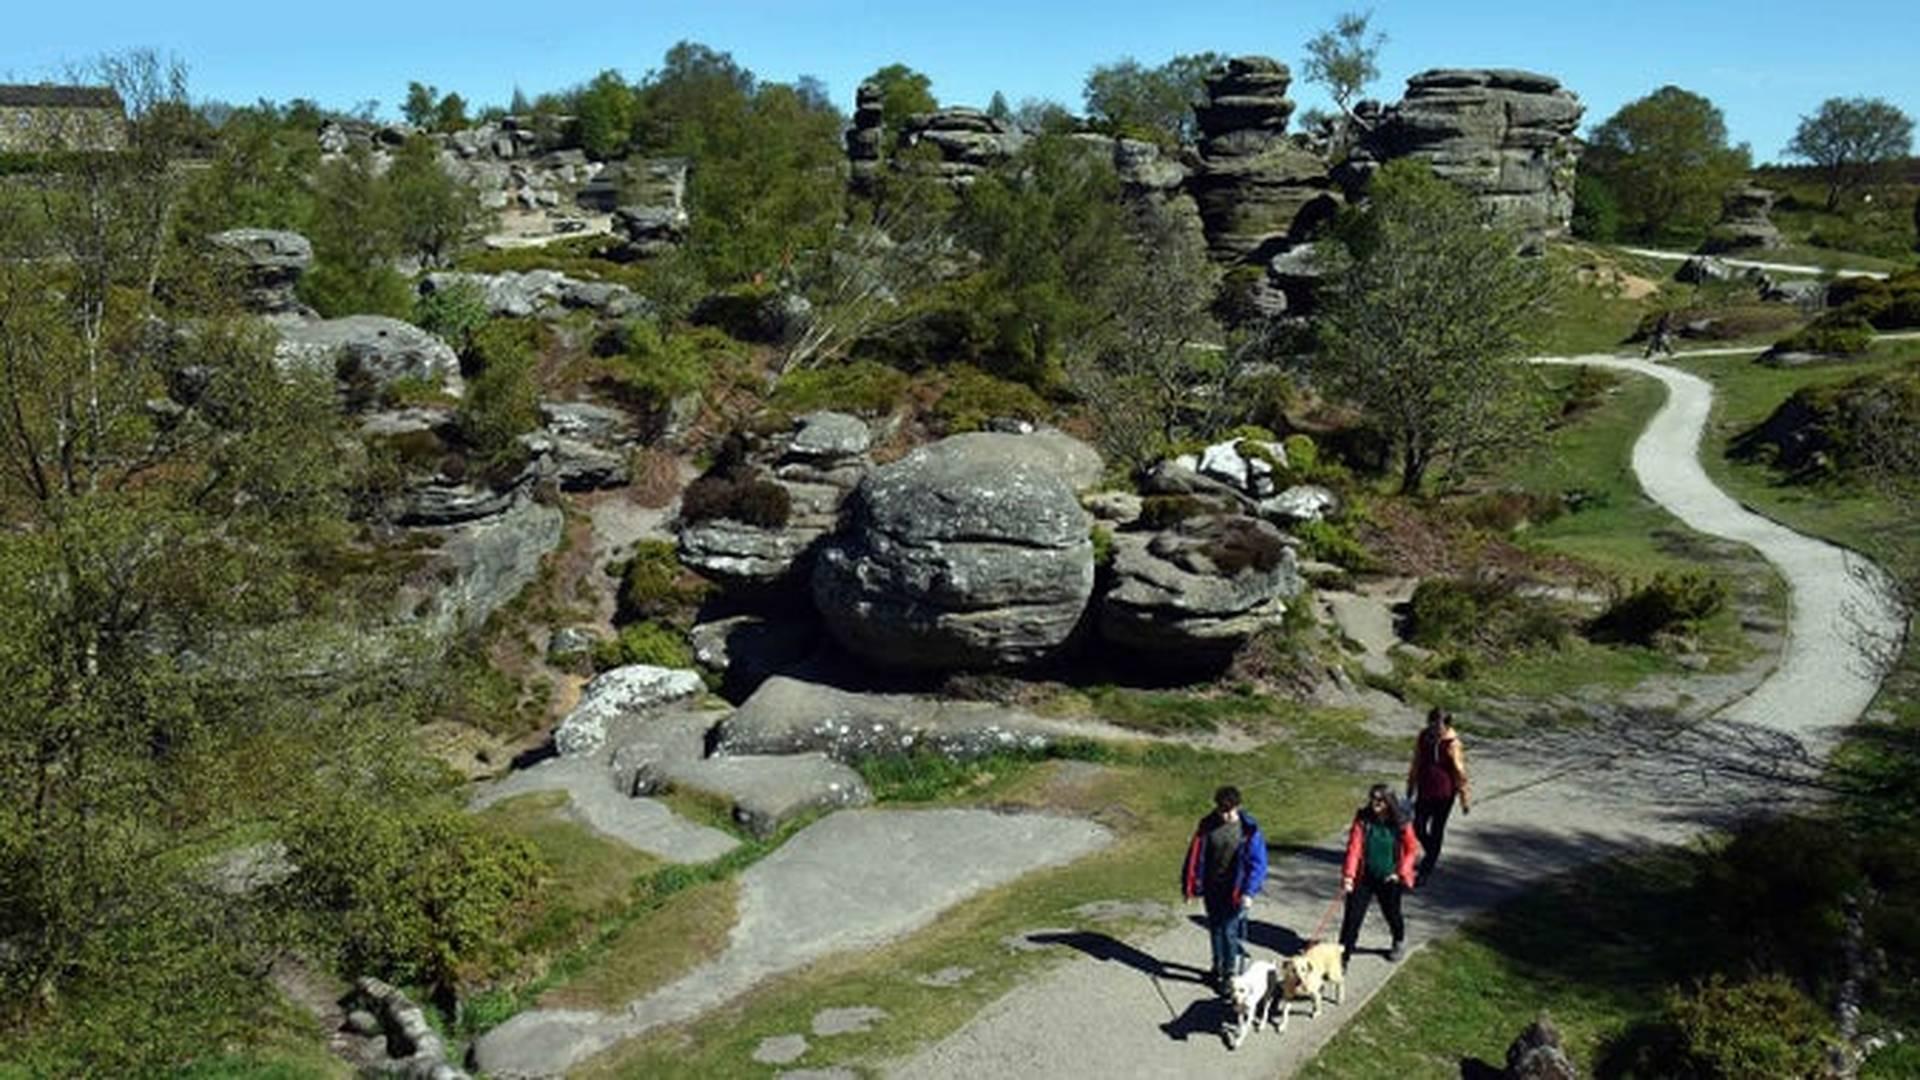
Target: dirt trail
(1135, 1009)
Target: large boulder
(789, 716)
(970, 552)
(479, 566)
(1200, 588)
(613, 695)
(1506, 137)
(269, 263)
(1744, 224)
(368, 353)
(537, 292)
(763, 792)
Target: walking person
(1661, 340)
(1438, 775)
(1225, 867)
(1379, 866)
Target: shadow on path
(1106, 948)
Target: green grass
(1149, 796)
(1595, 951)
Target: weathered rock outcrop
(612, 695)
(763, 792)
(368, 353)
(788, 716)
(1537, 1054)
(969, 552)
(482, 564)
(1744, 224)
(269, 263)
(1504, 136)
(539, 292)
(1199, 589)
(866, 137)
(415, 1049)
(969, 142)
(818, 463)
(1257, 192)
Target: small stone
(780, 1049)
(847, 1021)
(362, 1022)
(946, 977)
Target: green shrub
(502, 399)
(972, 397)
(655, 585)
(647, 642)
(655, 367)
(1668, 603)
(426, 896)
(858, 386)
(1444, 611)
(1762, 1027)
(749, 500)
(747, 312)
(1166, 511)
(1303, 457)
(1451, 613)
(1832, 334)
(456, 313)
(1102, 539)
(1328, 542)
(1596, 213)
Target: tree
(606, 110)
(419, 107)
(1345, 59)
(1426, 310)
(1126, 98)
(998, 108)
(433, 212)
(450, 114)
(1851, 140)
(903, 92)
(1665, 158)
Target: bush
(1763, 1027)
(972, 397)
(1443, 611)
(456, 313)
(421, 897)
(1102, 539)
(1448, 613)
(858, 386)
(1303, 457)
(648, 642)
(502, 400)
(656, 367)
(1832, 334)
(750, 501)
(1669, 603)
(1327, 542)
(1596, 213)
(655, 585)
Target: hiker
(1661, 340)
(1379, 865)
(1437, 775)
(1225, 866)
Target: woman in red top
(1438, 773)
(1379, 865)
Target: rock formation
(540, 292)
(970, 552)
(367, 353)
(1504, 136)
(269, 263)
(1199, 589)
(788, 716)
(622, 692)
(1743, 222)
(1257, 191)
(866, 138)
(967, 141)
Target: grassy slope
(1597, 950)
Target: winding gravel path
(1133, 1009)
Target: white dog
(1308, 974)
(1255, 993)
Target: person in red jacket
(1438, 774)
(1379, 866)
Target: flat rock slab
(835, 1073)
(780, 1049)
(790, 716)
(1367, 620)
(643, 824)
(946, 977)
(848, 1021)
(822, 892)
(765, 792)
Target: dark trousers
(1430, 828)
(1387, 891)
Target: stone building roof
(47, 95)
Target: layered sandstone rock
(1257, 192)
(1504, 136)
(1744, 224)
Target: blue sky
(1764, 64)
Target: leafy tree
(1596, 213)
(696, 87)
(1044, 116)
(1425, 313)
(355, 234)
(518, 104)
(1665, 158)
(903, 92)
(1851, 140)
(1156, 103)
(1344, 59)
(606, 110)
(998, 108)
(433, 212)
(257, 177)
(450, 114)
(421, 104)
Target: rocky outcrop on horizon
(1257, 191)
(1502, 135)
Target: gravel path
(1133, 1008)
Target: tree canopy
(1425, 314)
(903, 92)
(1155, 103)
(1666, 161)
(1851, 140)
(1344, 59)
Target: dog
(1308, 974)
(1254, 993)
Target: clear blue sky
(1764, 64)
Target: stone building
(36, 118)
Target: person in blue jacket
(1225, 866)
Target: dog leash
(1324, 916)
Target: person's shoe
(1394, 953)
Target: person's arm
(1458, 753)
(1409, 854)
(1256, 867)
(1350, 868)
(1413, 767)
